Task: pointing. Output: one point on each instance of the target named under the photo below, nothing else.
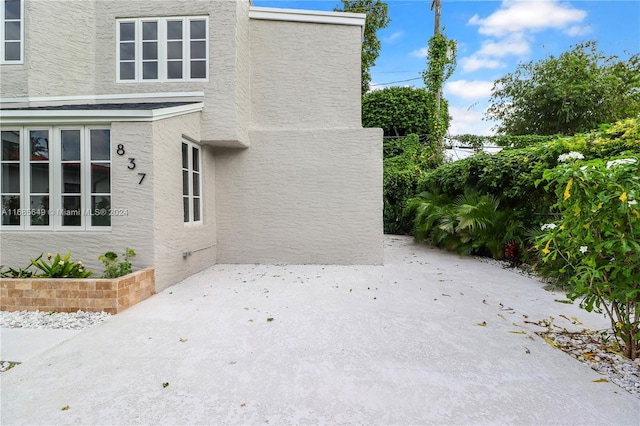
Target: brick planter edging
(74, 294)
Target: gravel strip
(48, 320)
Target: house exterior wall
(301, 196)
(133, 229)
(172, 237)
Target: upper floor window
(55, 178)
(163, 49)
(12, 31)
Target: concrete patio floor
(428, 338)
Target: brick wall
(71, 295)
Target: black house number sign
(132, 162)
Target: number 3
(132, 164)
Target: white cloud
(421, 53)
(393, 37)
(514, 45)
(578, 30)
(468, 89)
(375, 86)
(468, 121)
(475, 63)
(518, 16)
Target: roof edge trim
(308, 16)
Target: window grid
(191, 184)
(11, 31)
(176, 50)
(58, 196)
(10, 176)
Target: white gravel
(48, 320)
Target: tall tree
(377, 18)
(574, 92)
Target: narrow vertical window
(10, 178)
(39, 179)
(12, 31)
(175, 50)
(198, 48)
(191, 184)
(150, 50)
(100, 177)
(71, 178)
(127, 50)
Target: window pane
(198, 69)
(185, 208)
(10, 146)
(174, 69)
(10, 210)
(174, 50)
(39, 210)
(71, 211)
(71, 182)
(198, 49)
(39, 178)
(150, 70)
(12, 9)
(100, 178)
(150, 50)
(196, 209)
(195, 165)
(185, 156)
(149, 30)
(12, 51)
(127, 51)
(11, 178)
(127, 31)
(127, 71)
(100, 206)
(185, 182)
(198, 29)
(39, 145)
(196, 184)
(174, 30)
(70, 145)
(12, 30)
(100, 144)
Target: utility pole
(437, 6)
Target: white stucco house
(192, 131)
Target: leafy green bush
(113, 268)
(15, 273)
(406, 159)
(597, 239)
(60, 267)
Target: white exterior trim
(30, 116)
(104, 97)
(308, 16)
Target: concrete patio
(428, 338)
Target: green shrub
(113, 268)
(60, 267)
(596, 242)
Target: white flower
(620, 161)
(632, 203)
(570, 156)
(80, 262)
(49, 255)
(548, 226)
(584, 249)
(61, 263)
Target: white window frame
(190, 170)
(162, 49)
(3, 22)
(55, 178)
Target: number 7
(142, 175)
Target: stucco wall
(133, 230)
(299, 196)
(305, 75)
(172, 237)
(48, 69)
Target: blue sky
(493, 37)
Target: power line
(399, 81)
